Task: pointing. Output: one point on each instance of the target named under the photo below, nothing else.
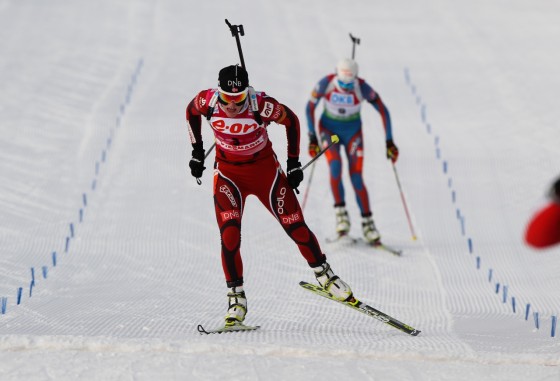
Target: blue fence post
(553, 327)
(19, 291)
(536, 317)
(527, 309)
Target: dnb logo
(342, 99)
(229, 215)
(287, 220)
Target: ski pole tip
(334, 139)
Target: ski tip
(415, 332)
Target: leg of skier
(355, 154)
(334, 161)
(281, 201)
(228, 203)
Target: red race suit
(245, 164)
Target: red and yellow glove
(314, 148)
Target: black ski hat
(233, 79)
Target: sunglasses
(226, 98)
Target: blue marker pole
(19, 291)
(527, 309)
(536, 317)
(553, 328)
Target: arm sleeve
(375, 100)
(291, 122)
(194, 120)
(273, 111)
(316, 95)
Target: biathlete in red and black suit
(245, 164)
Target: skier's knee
(300, 234)
(231, 237)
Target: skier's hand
(392, 151)
(313, 145)
(555, 191)
(197, 161)
(295, 173)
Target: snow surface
(98, 205)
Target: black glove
(554, 192)
(197, 162)
(392, 151)
(295, 174)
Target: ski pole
(334, 140)
(209, 150)
(237, 30)
(404, 202)
(355, 41)
(304, 201)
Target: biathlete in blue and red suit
(343, 92)
(245, 164)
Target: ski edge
(354, 240)
(225, 329)
(365, 309)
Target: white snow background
(115, 247)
